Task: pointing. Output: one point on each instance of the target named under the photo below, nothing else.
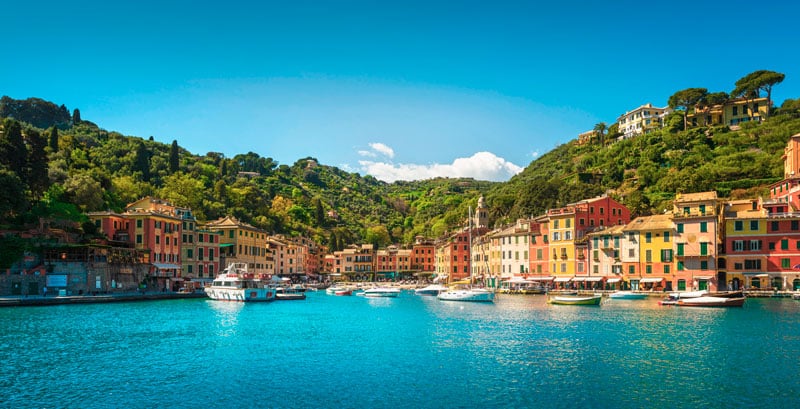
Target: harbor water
(405, 352)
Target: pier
(26, 301)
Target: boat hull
(382, 292)
(627, 295)
(575, 300)
(466, 295)
(431, 290)
(240, 294)
(712, 302)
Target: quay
(29, 301)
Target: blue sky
(399, 90)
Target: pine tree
(174, 159)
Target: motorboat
(627, 295)
(290, 293)
(433, 289)
(343, 291)
(382, 292)
(688, 294)
(593, 299)
(709, 301)
(467, 294)
(235, 283)
(334, 288)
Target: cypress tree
(13, 153)
(53, 140)
(174, 162)
(76, 116)
(37, 164)
(142, 162)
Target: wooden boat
(343, 291)
(726, 294)
(627, 295)
(575, 299)
(709, 301)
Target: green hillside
(57, 168)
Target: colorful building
(642, 120)
(242, 243)
(697, 234)
(653, 270)
(731, 113)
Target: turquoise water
(356, 352)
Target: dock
(29, 301)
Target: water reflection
(226, 316)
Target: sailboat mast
(469, 240)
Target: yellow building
(655, 236)
(731, 113)
(242, 243)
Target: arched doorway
(736, 284)
(777, 283)
(796, 284)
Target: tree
(12, 201)
(13, 153)
(38, 180)
(600, 128)
(141, 163)
(686, 98)
(76, 116)
(751, 85)
(174, 159)
(319, 212)
(378, 235)
(53, 139)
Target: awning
(594, 279)
(562, 279)
(578, 279)
(517, 280)
(705, 277)
(613, 280)
(176, 279)
(165, 266)
(226, 245)
(540, 278)
(650, 280)
(758, 275)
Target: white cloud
(382, 148)
(370, 154)
(535, 154)
(481, 166)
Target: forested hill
(82, 167)
(646, 171)
(74, 166)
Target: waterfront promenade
(38, 300)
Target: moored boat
(467, 294)
(286, 294)
(343, 291)
(709, 301)
(433, 289)
(235, 283)
(593, 299)
(334, 288)
(382, 292)
(627, 295)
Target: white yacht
(236, 284)
(467, 294)
(433, 289)
(382, 292)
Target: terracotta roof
(696, 197)
(655, 222)
(616, 229)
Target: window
(680, 248)
(556, 236)
(568, 222)
(666, 268)
(785, 263)
(563, 267)
(189, 254)
(631, 269)
(679, 227)
(738, 225)
(755, 245)
(738, 245)
(666, 255)
(703, 227)
(555, 224)
(648, 256)
(703, 249)
(702, 209)
(704, 265)
(784, 244)
(568, 235)
(753, 224)
(538, 254)
(138, 239)
(752, 264)
(648, 269)
(158, 239)
(631, 253)
(616, 242)
(666, 237)
(774, 226)
(648, 237)
(795, 225)
(680, 265)
(596, 255)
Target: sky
(397, 90)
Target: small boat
(627, 295)
(334, 288)
(235, 283)
(593, 299)
(382, 292)
(433, 289)
(726, 294)
(796, 296)
(286, 294)
(467, 294)
(688, 294)
(711, 302)
(343, 291)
